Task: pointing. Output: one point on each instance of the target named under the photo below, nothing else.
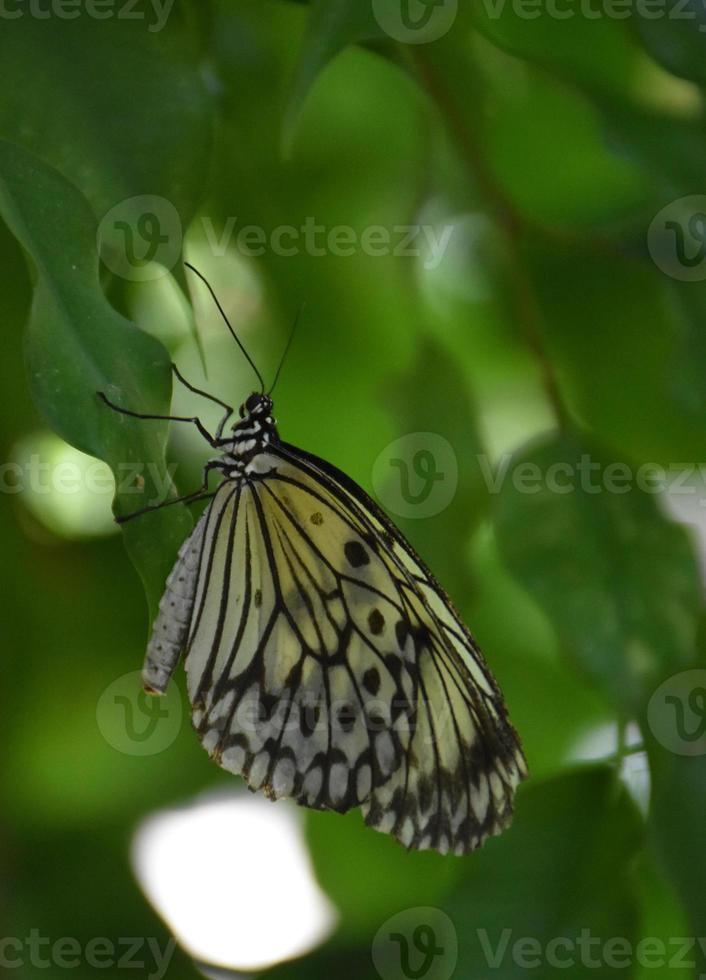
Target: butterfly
(324, 661)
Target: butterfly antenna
(286, 349)
(227, 323)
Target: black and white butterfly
(324, 661)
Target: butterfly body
(324, 662)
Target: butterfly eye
(241, 411)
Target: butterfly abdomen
(170, 628)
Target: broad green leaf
(332, 26)
(598, 307)
(597, 51)
(422, 878)
(571, 175)
(78, 345)
(618, 580)
(556, 713)
(663, 916)
(539, 149)
(678, 805)
(677, 39)
(563, 871)
(119, 108)
(435, 492)
(671, 149)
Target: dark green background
(548, 331)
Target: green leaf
(593, 184)
(409, 879)
(332, 26)
(119, 109)
(445, 410)
(595, 51)
(598, 306)
(77, 345)
(678, 805)
(677, 41)
(618, 580)
(563, 870)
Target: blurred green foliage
(547, 330)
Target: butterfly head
(256, 405)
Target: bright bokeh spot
(601, 743)
(231, 876)
(67, 491)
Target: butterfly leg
(163, 418)
(205, 394)
(187, 498)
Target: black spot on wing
(371, 680)
(376, 621)
(356, 554)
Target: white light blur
(231, 877)
(601, 743)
